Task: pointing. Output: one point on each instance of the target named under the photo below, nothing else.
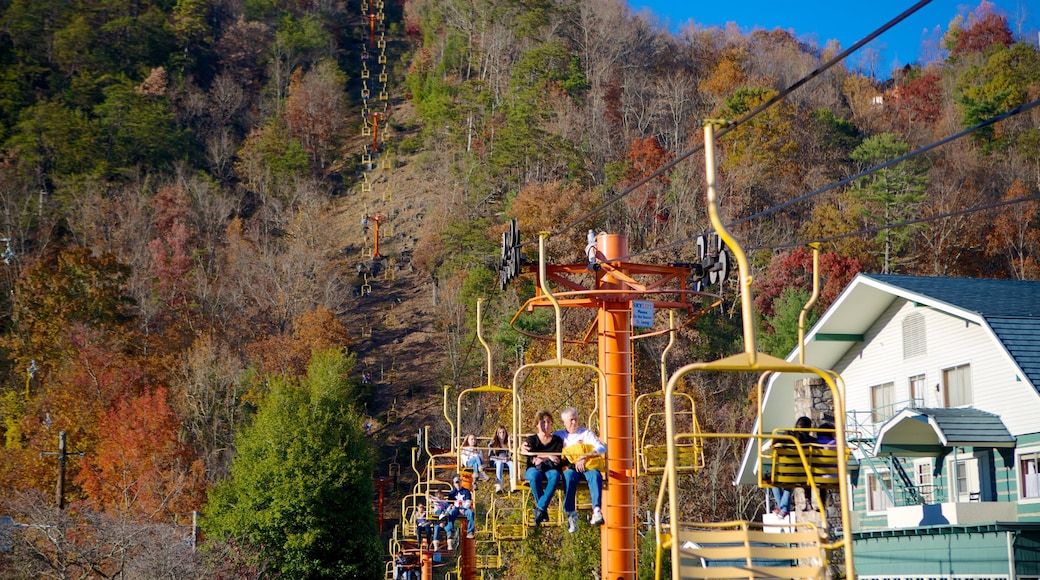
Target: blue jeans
(475, 464)
(499, 469)
(571, 477)
(471, 523)
(425, 530)
(782, 499)
(543, 484)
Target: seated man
(584, 454)
(462, 501)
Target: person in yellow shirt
(583, 452)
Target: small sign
(642, 314)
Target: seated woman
(543, 464)
(782, 496)
(499, 454)
(423, 526)
(471, 458)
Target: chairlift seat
(789, 471)
(655, 457)
(738, 550)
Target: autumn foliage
(794, 269)
(140, 469)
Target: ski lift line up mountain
(698, 550)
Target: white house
(942, 379)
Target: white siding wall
(951, 342)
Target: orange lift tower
(371, 17)
(376, 218)
(619, 290)
(376, 117)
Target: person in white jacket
(584, 453)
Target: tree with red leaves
(985, 28)
(794, 269)
(646, 211)
(140, 470)
(919, 101)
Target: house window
(1029, 475)
(881, 401)
(917, 390)
(923, 480)
(913, 336)
(877, 492)
(957, 386)
(965, 480)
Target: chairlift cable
(845, 181)
(745, 118)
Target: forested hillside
(181, 188)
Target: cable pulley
(511, 257)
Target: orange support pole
(469, 556)
(427, 564)
(381, 483)
(618, 535)
(615, 289)
(376, 117)
(377, 219)
(375, 249)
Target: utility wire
(914, 153)
(877, 229)
(745, 118)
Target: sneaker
(572, 522)
(470, 535)
(498, 486)
(436, 545)
(597, 517)
(451, 545)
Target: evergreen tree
(784, 321)
(301, 486)
(890, 195)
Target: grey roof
(907, 432)
(984, 296)
(1011, 308)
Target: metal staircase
(862, 435)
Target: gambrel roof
(1010, 308)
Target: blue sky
(847, 21)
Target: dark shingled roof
(1011, 308)
(904, 434)
(968, 426)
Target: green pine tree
(890, 195)
(300, 489)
